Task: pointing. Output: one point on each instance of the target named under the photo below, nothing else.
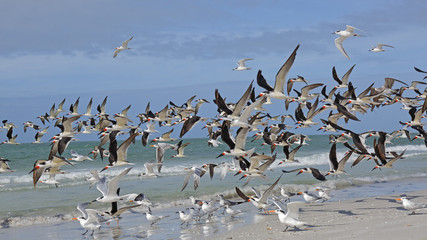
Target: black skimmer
(314, 171)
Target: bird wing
(125, 43)
(338, 44)
(266, 194)
(293, 209)
(114, 183)
(283, 71)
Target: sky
(51, 50)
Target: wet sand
(380, 218)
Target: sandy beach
(380, 218)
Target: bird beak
(398, 199)
(74, 218)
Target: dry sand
(370, 218)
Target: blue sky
(55, 49)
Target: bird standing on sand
(411, 206)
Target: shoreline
(365, 217)
(380, 218)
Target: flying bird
(344, 34)
(124, 46)
(241, 64)
(379, 47)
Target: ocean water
(22, 205)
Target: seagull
(411, 206)
(290, 219)
(124, 46)
(241, 64)
(344, 34)
(379, 47)
(90, 219)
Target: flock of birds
(339, 102)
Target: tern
(290, 219)
(78, 157)
(379, 47)
(153, 218)
(124, 46)
(109, 191)
(344, 34)
(411, 206)
(90, 219)
(310, 198)
(180, 150)
(241, 64)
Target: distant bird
(379, 47)
(310, 198)
(344, 34)
(78, 157)
(124, 46)
(241, 64)
(4, 165)
(411, 206)
(180, 150)
(197, 173)
(153, 218)
(421, 71)
(314, 171)
(149, 169)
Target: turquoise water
(21, 204)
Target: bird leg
(285, 229)
(85, 232)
